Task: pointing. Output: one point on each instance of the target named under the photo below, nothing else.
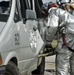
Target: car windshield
(4, 7)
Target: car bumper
(2, 70)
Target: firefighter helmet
(50, 5)
(72, 6)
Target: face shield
(72, 1)
(64, 1)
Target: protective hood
(3, 0)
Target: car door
(36, 41)
(29, 49)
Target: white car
(20, 40)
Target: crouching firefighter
(61, 22)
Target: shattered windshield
(4, 7)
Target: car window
(31, 4)
(17, 16)
(24, 5)
(38, 4)
(5, 7)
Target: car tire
(40, 69)
(11, 69)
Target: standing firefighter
(61, 23)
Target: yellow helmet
(72, 6)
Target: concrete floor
(50, 65)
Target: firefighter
(61, 24)
(70, 8)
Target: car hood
(2, 24)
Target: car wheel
(40, 69)
(11, 69)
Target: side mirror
(30, 14)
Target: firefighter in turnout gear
(61, 22)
